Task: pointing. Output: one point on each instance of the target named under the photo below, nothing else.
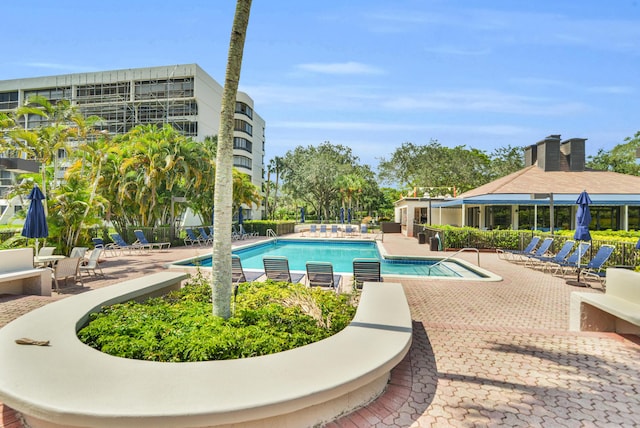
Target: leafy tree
(313, 174)
(622, 158)
(221, 277)
(505, 160)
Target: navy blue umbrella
(583, 219)
(342, 215)
(35, 224)
(240, 219)
(302, 215)
(349, 216)
(638, 245)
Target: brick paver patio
(483, 353)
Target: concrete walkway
(484, 353)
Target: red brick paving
(483, 353)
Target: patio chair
(46, 251)
(364, 229)
(239, 275)
(559, 257)
(366, 270)
(191, 238)
(572, 261)
(141, 239)
(78, 252)
(277, 269)
(540, 252)
(93, 263)
(511, 254)
(66, 268)
(122, 245)
(348, 231)
(323, 230)
(334, 230)
(594, 268)
(246, 234)
(320, 274)
(313, 229)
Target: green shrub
(269, 317)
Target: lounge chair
(334, 230)
(46, 251)
(99, 243)
(122, 245)
(191, 238)
(205, 238)
(559, 257)
(93, 263)
(313, 229)
(540, 252)
(277, 269)
(511, 254)
(348, 231)
(571, 263)
(594, 268)
(239, 275)
(141, 239)
(66, 268)
(366, 270)
(246, 234)
(364, 229)
(323, 230)
(320, 274)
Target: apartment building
(183, 95)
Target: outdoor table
(47, 260)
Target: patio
(490, 353)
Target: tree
(221, 278)
(622, 158)
(505, 160)
(275, 167)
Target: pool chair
(239, 275)
(78, 252)
(334, 230)
(366, 270)
(191, 238)
(323, 230)
(320, 274)
(111, 247)
(277, 269)
(559, 257)
(594, 269)
(313, 230)
(205, 238)
(142, 240)
(92, 265)
(244, 233)
(348, 231)
(571, 263)
(46, 251)
(123, 245)
(542, 250)
(512, 254)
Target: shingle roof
(532, 179)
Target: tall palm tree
(221, 278)
(275, 166)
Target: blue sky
(371, 74)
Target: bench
(617, 310)
(18, 276)
(70, 384)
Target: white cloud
(57, 66)
(350, 67)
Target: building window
(102, 92)
(634, 218)
(527, 217)
(603, 218)
(242, 108)
(241, 161)
(240, 143)
(167, 88)
(53, 95)
(242, 126)
(8, 100)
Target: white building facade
(184, 96)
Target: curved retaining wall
(69, 384)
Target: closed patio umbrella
(35, 224)
(583, 219)
(302, 215)
(240, 219)
(342, 215)
(349, 216)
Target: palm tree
(275, 166)
(221, 279)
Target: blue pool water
(341, 255)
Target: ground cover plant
(269, 317)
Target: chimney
(531, 155)
(549, 153)
(574, 151)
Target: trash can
(433, 243)
(422, 238)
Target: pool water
(341, 255)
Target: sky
(370, 75)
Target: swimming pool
(341, 254)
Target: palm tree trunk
(221, 278)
